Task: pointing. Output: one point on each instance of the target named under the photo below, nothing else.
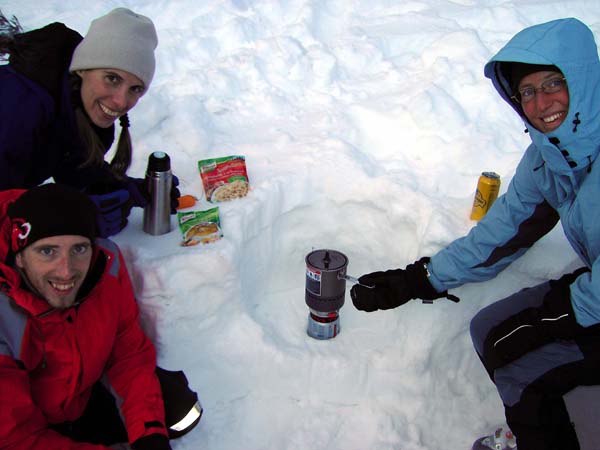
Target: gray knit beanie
(120, 40)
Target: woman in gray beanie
(61, 95)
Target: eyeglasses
(528, 93)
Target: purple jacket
(38, 133)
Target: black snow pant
(532, 386)
(101, 422)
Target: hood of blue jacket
(569, 45)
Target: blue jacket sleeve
(585, 296)
(515, 222)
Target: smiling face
(56, 267)
(107, 94)
(546, 112)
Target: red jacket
(50, 359)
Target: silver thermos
(157, 214)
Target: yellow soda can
(486, 194)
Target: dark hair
(8, 29)
(514, 72)
(122, 157)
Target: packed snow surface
(365, 125)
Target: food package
(199, 227)
(224, 178)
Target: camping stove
(325, 291)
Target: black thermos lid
(159, 162)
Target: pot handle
(352, 279)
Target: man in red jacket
(76, 369)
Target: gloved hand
(113, 210)
(534, 327)
(393, 288)
(138, 191)
(140, 195)
(175, 194)
(152, 442)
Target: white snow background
(365, 125)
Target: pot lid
(326, 259)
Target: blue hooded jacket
(555, 179)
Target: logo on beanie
(20, 232)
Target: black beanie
(50, 210)
(515, 72)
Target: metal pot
(325, 291)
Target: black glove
(140, 195)
(152, 442)
(393, 288)
(175, 194)
(534, 327)
(138, 191)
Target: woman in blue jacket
(61, 95)
(539, 343)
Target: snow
(365, 125)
